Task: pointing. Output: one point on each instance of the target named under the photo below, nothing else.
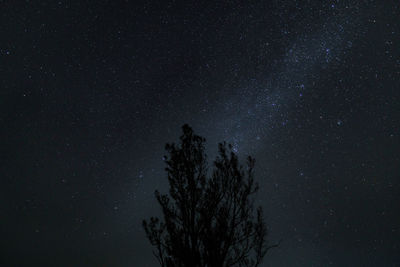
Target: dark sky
(92, 90)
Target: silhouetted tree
(207, 221)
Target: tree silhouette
(208, 220)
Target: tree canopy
(208, 216)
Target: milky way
(259, 105)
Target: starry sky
(91, 91)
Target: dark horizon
(92, 91)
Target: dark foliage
(208, 220)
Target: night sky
(90, 92)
